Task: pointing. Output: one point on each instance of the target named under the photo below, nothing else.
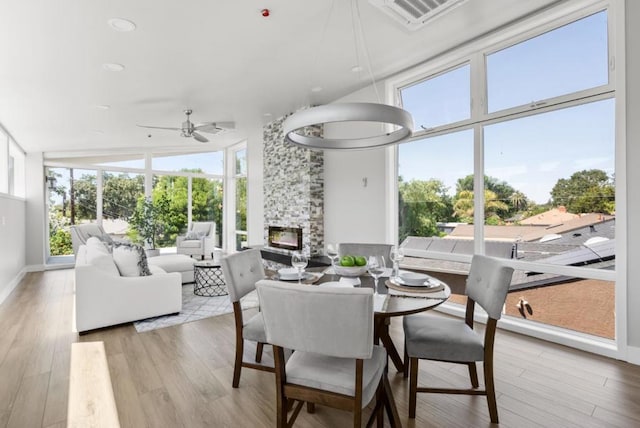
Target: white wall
(35, 232)
(12, 247)
(355, 212)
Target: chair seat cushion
(191, 243)
(435, 337)
(336, 374)
(254, 329)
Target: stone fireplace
(293, 187)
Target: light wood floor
(181, 376)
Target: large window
(545, 142)
(183, 189)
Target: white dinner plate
(336, 284)
(429, 282)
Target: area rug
(195, 308)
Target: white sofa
(104, 298)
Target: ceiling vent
(414, 14)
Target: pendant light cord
(367, 57)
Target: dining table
(388, 303)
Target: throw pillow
(105, 239)
(191, 235)
(130, 259)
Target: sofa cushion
(201, 229)
(97, 255)
(190, 243)
(130, 259)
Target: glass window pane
(241, 162)
(568, 59)
(241, 212)
(552, 186)
(429, 171)
(16, 170)
(120, 194)
(206, 196)
(440, 100)
(170, 194)
(72, 201)
(208, 163)
(582, 305)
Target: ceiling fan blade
(160, 127)
(199, 137)
(214, 127)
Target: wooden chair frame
(489, 391)
(239, 363)
(288, 394)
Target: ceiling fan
(189, 129)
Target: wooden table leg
(381, 333)
(390, 403)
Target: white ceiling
(220, 58)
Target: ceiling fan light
(348, 112)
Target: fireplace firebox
(288, 238)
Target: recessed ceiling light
(267, 115)
(97, 131)
(113, 66)
(120, 24)
(316, 89)
(356, 69)
(102, 107)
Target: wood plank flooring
(181, 376)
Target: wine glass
(332, 253)
(375, 267)
(299, 261)
(397, 254)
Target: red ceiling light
(265, 12)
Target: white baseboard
(12, 285)
(34, 268)
(633, 355)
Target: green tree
(148, 221)
(120, 195)
(503, 191)
(493, 207)
(83, 196)
(587, 191)
(422, 204)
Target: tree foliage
(586, 191)
(494, 208)
(422, 204)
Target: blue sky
(531, 154)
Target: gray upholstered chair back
(241, 272)
(81, 232)
(337, 322)
(367, 250)
(488, 284)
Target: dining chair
(334, 362)
(366, 250)
(241, 272)
(432, 337)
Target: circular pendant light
(348, 112)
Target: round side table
(208, 279)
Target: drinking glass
(332, 253)
(397, 254)
(299, 261)
(375, 267)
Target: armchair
(81, 232)
(200, 239)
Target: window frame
(476, 52)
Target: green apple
(347, 261)
(360, 261)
